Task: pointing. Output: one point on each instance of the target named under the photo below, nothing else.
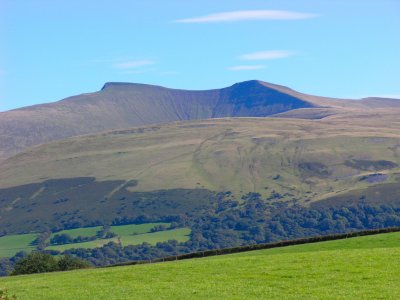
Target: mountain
(205, 153)
(123, 105)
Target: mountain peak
(116, 84)
(112, 85)
(109, 85)
(248, 83)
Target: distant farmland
(126, 234)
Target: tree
(61, 239)
(35, 262)
(68, 262)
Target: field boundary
(215, 252)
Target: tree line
(230, 223)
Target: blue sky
(50, 49)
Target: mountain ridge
(122, 105)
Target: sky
(50, 50)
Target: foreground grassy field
(357, 268)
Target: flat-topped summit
(118, 85)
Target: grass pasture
(11, 244)
(133, 229)
(357, 268)
(179, 234)
(132, 234)
(84, 231)
(86, 245)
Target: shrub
(61, 239)
(37, 262)
(68, 262)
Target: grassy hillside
(240, 155)
(357, 268)
(173, 169)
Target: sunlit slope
(357, 268)
(298, 159)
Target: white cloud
(246, 68)
(266, 55)
(248, 15)
(133, 64)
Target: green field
(131, 234)
(74, 233)
(120, 230)
(357, 268)
(132, 229)
(180, 234)
(11, 244)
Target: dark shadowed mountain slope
(122, 105)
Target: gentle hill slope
(357, 268)
(122, 105)
(175, 168)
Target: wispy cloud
(248, 15)
(266, 55)
(133, 64)
(246, 68)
